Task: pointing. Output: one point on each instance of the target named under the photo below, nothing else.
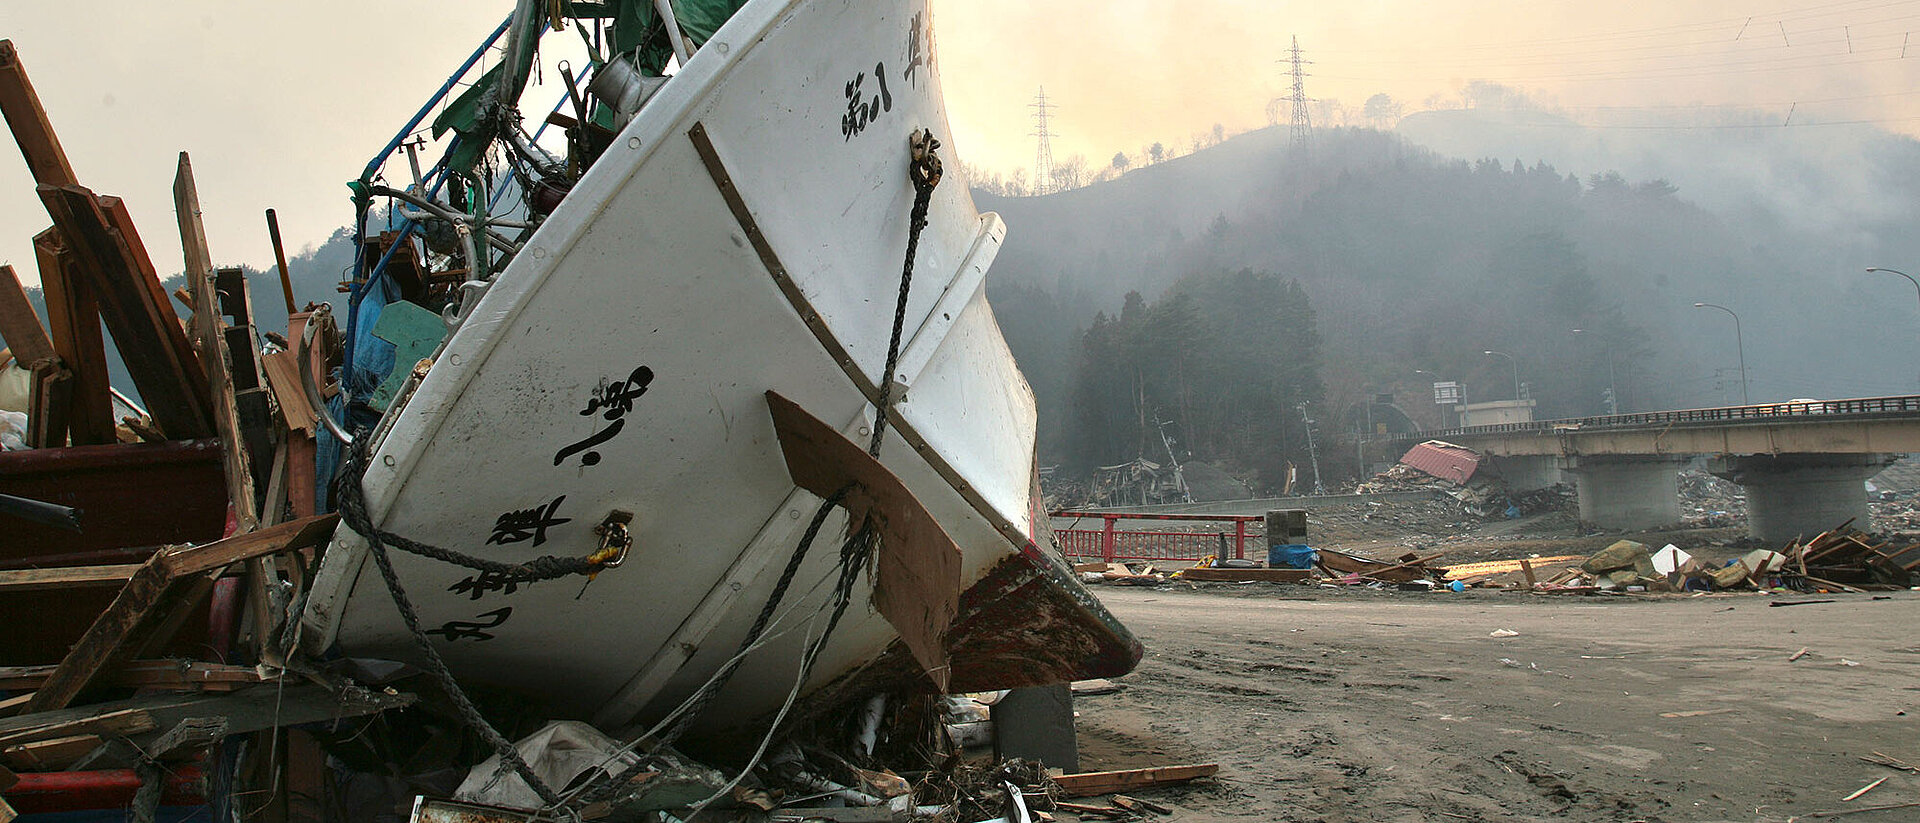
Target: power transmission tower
(1043, 155)
(1302, 133)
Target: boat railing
(428, 185)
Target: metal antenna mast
(1313, 452)
(1043, 155)
(1302, 133)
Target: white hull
(646, 265)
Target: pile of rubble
(1708, 502)
(1446, 469)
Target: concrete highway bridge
(1801, 463)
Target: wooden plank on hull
(73, 322)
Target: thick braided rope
(353, 504)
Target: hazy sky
(280, 103)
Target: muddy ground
(1357, 705)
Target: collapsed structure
(697, 394)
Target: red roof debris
(1443, 460)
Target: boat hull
(744, 234)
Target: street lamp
(1613, 395)
(1516, 370)
(1916, 283)
(1739, 345)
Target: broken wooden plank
(118, 723)
(1088, 784)
(73, 321)
(28, 580)
(246, 710)
(292, 535)
(1135, 804)
(33, 350)
(28, 121)
(20, 325)
(209, 341)
(1084, 808)
(187, 735)
(50, 755)
(125, 627)
(1239, 575)
(143, 325)
(181, 675)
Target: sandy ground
(1336, 706)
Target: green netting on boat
(636, 28)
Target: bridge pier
(1529, 472)
(1627, 491)
(1791, 496)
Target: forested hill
(1414, 261)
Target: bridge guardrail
(1861, 406)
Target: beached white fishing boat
(687, 353)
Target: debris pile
(1709, 502)
(1446, 469)
(1847, 559)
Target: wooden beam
(209, 340)
(1092, 783)
(50, 755)
(1239, 575)
(126, 626)
(28, 580)
(29, 123)
(292, 535)
(73, 320)
(119, 723)
(143, 325)
(173, 675)
(34, 352)
(19, 325)
(100, 647)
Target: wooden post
(73, 320)
(1239, 539)
(207, 328)
(144, 327)
(29, 123)
(280, 260)
(47, 404)
(138, 618)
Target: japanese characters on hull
(869, 98)
(612, 400)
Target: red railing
(1110, 544)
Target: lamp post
(1739, 345)
(1613, 394)
(1916, 283)
(1516, 370)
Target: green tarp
(636, 29)
(636, 26)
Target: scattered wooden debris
(1890, 762)
(1863, 790)
(1245, 575)
(1088, 784)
